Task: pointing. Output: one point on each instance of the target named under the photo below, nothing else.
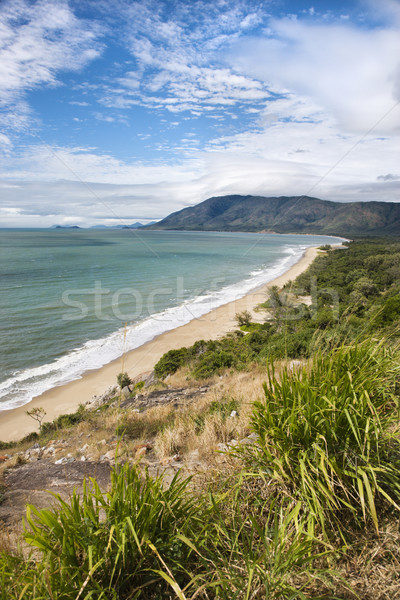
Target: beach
(15, 423)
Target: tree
(38, 414)
(243, 318)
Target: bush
(170, 362)
(243, 318)
(211, 363)
(139, 386)
(123, 380)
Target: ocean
(74, 300)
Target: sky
(125, 111)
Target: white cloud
(352, 73)
(38, 40)
(173, 49)
(306, 155)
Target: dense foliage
(352, 292)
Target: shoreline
(15, 424)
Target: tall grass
(108, 546)
(145, 541)
(324, 433)
(262, 550)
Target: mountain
(294, 214)
(65, 227)
(136, 225)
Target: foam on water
(25, 385)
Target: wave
(19, 389)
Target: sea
(72, 300)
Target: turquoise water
(73, 300)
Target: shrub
(211, 362)
(139, 386)
(243, 318)
(170, 362)
(123, 380)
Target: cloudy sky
(128, 110)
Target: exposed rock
(110, 455)
(140, 452)
(169, 460)
(98, 401)
(126, 392)
(29, 484)
(176, 396)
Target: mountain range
(294, 214)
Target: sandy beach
(14, 424)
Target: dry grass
(202, 425)
(372, 565)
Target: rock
(222, 447)
(126, 392)
(147, 445)
(170, 459)
(140, 452)
(49, 450)
(32, 452)
(84, 448)
(98, 401)
(83, 458)
(64, 460)
(150, 380)
(110, 455)
(248, 441)
(102, 443)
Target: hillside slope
(295, 214)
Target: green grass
(325, 435)
(108, 546)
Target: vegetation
(325, 434)
(304, 508)
(37, 414)
(243, 318)
(352, 293)
(123, 380)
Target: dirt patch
(31, 483)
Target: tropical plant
(324, 433)
(115, 545)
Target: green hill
(295, 214)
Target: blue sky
(121, 111)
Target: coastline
(15, 424)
